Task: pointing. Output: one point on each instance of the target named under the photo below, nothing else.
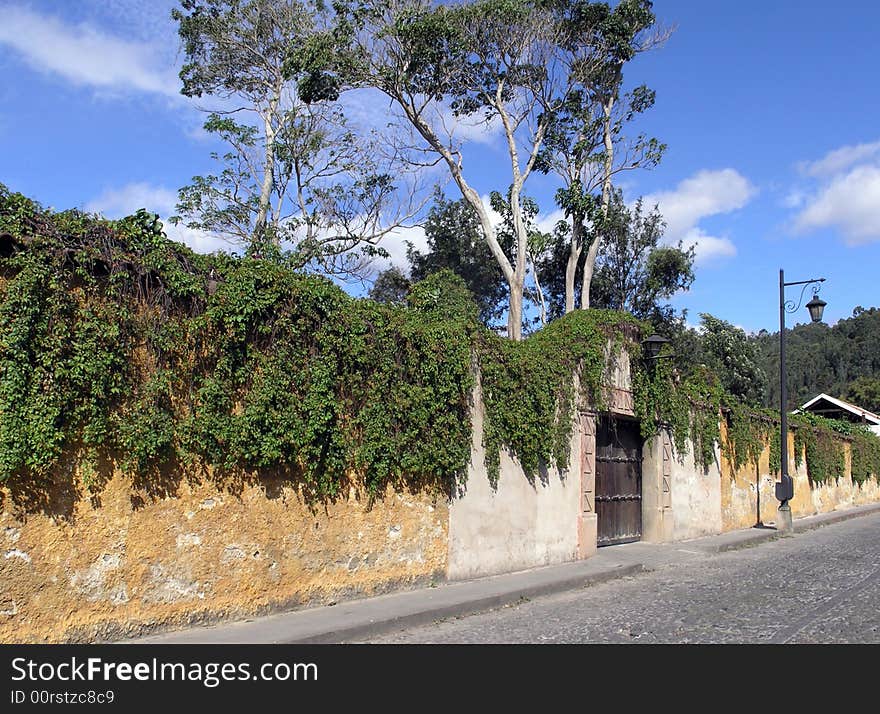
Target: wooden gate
(618, 481)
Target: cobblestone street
(822, 586)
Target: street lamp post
(785, 486)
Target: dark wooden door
(618, 481)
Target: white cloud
(850, 202)
(199, 241)
(840, 159)
(705, 194)
(547, 222)
(470, 130)
(706, 247)
(494, 217)
(116, 203)
(85, 55)
(395, 243)
(848, 198)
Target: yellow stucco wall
(740, 489)
(125, 563)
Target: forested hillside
(842, 361)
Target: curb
(762, 534)
(825, 519)
(747, 541)
(800, 525)
(465, 608)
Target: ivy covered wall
(118, 346)
(122, 348)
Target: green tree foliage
(865, 392)
(486, 59)
(727, 351)
(294, 180)
(518, 63)
(586, 144)
(825, 359)
(391, 287)
(634, 272)
(452, 230)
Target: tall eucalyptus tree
(294, 177)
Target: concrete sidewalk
(358, 619)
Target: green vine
(529, 386)
(748, 433)
(819, 440)
(800, 438)
(689, 409)
(116, 343)
(825, 457)
(775, 454)
(824, 450)
(865, 456)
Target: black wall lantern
(652, 346)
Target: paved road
(822, 586)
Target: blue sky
(769, 110)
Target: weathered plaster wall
(739, 491)
(811, 498)
(724, 498)
(125, 563)
(520, 523)
(696, 496)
